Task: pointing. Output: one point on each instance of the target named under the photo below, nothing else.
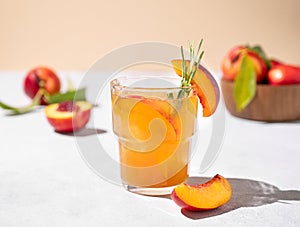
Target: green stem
(24, 109)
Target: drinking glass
(154, 120)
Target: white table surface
(45, 182)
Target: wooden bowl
(270, 104)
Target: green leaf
(259, 50)
(76, 95)
(16, 110)
(8, 107)
(245, 84)
(24, 109)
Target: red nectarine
(231, 63)
(41, 77)
(282, 74)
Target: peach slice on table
(210, 195)
(207, 88)
(68, 116)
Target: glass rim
(115, 83)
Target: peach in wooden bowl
(271, 103)
(260, 88)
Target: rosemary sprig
(189, 72)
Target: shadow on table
(245, 193)
(84, 132)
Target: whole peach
(231, 63)
(41, 77)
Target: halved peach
(206, 85)
(68, 116)
(210, 195)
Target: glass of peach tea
(155, 122)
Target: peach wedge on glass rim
(210, 195)
(207, 88)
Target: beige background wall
(72, 34)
